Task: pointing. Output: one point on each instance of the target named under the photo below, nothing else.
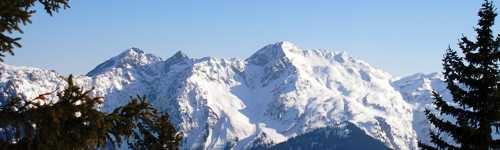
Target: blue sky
(398, 36)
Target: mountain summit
(272, 52)
(132, 57)
(280, 92)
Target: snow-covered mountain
(279, 92)
(417, 90)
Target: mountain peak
(127, 59)
(133, 51)
(273, 51)
(421, 76)
(284, 46)
(179, 56)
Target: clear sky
(399, 36)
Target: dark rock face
(349, 137)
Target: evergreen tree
(473, 80)
(14, 13)
(74, 122)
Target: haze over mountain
(280, 92)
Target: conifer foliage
(473, 77)
(15, 13)
(74, 122)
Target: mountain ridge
(279, 92)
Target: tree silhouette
(474, 81)
(14, 13)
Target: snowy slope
(28, 83)
(417, 90)
(279, 92)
